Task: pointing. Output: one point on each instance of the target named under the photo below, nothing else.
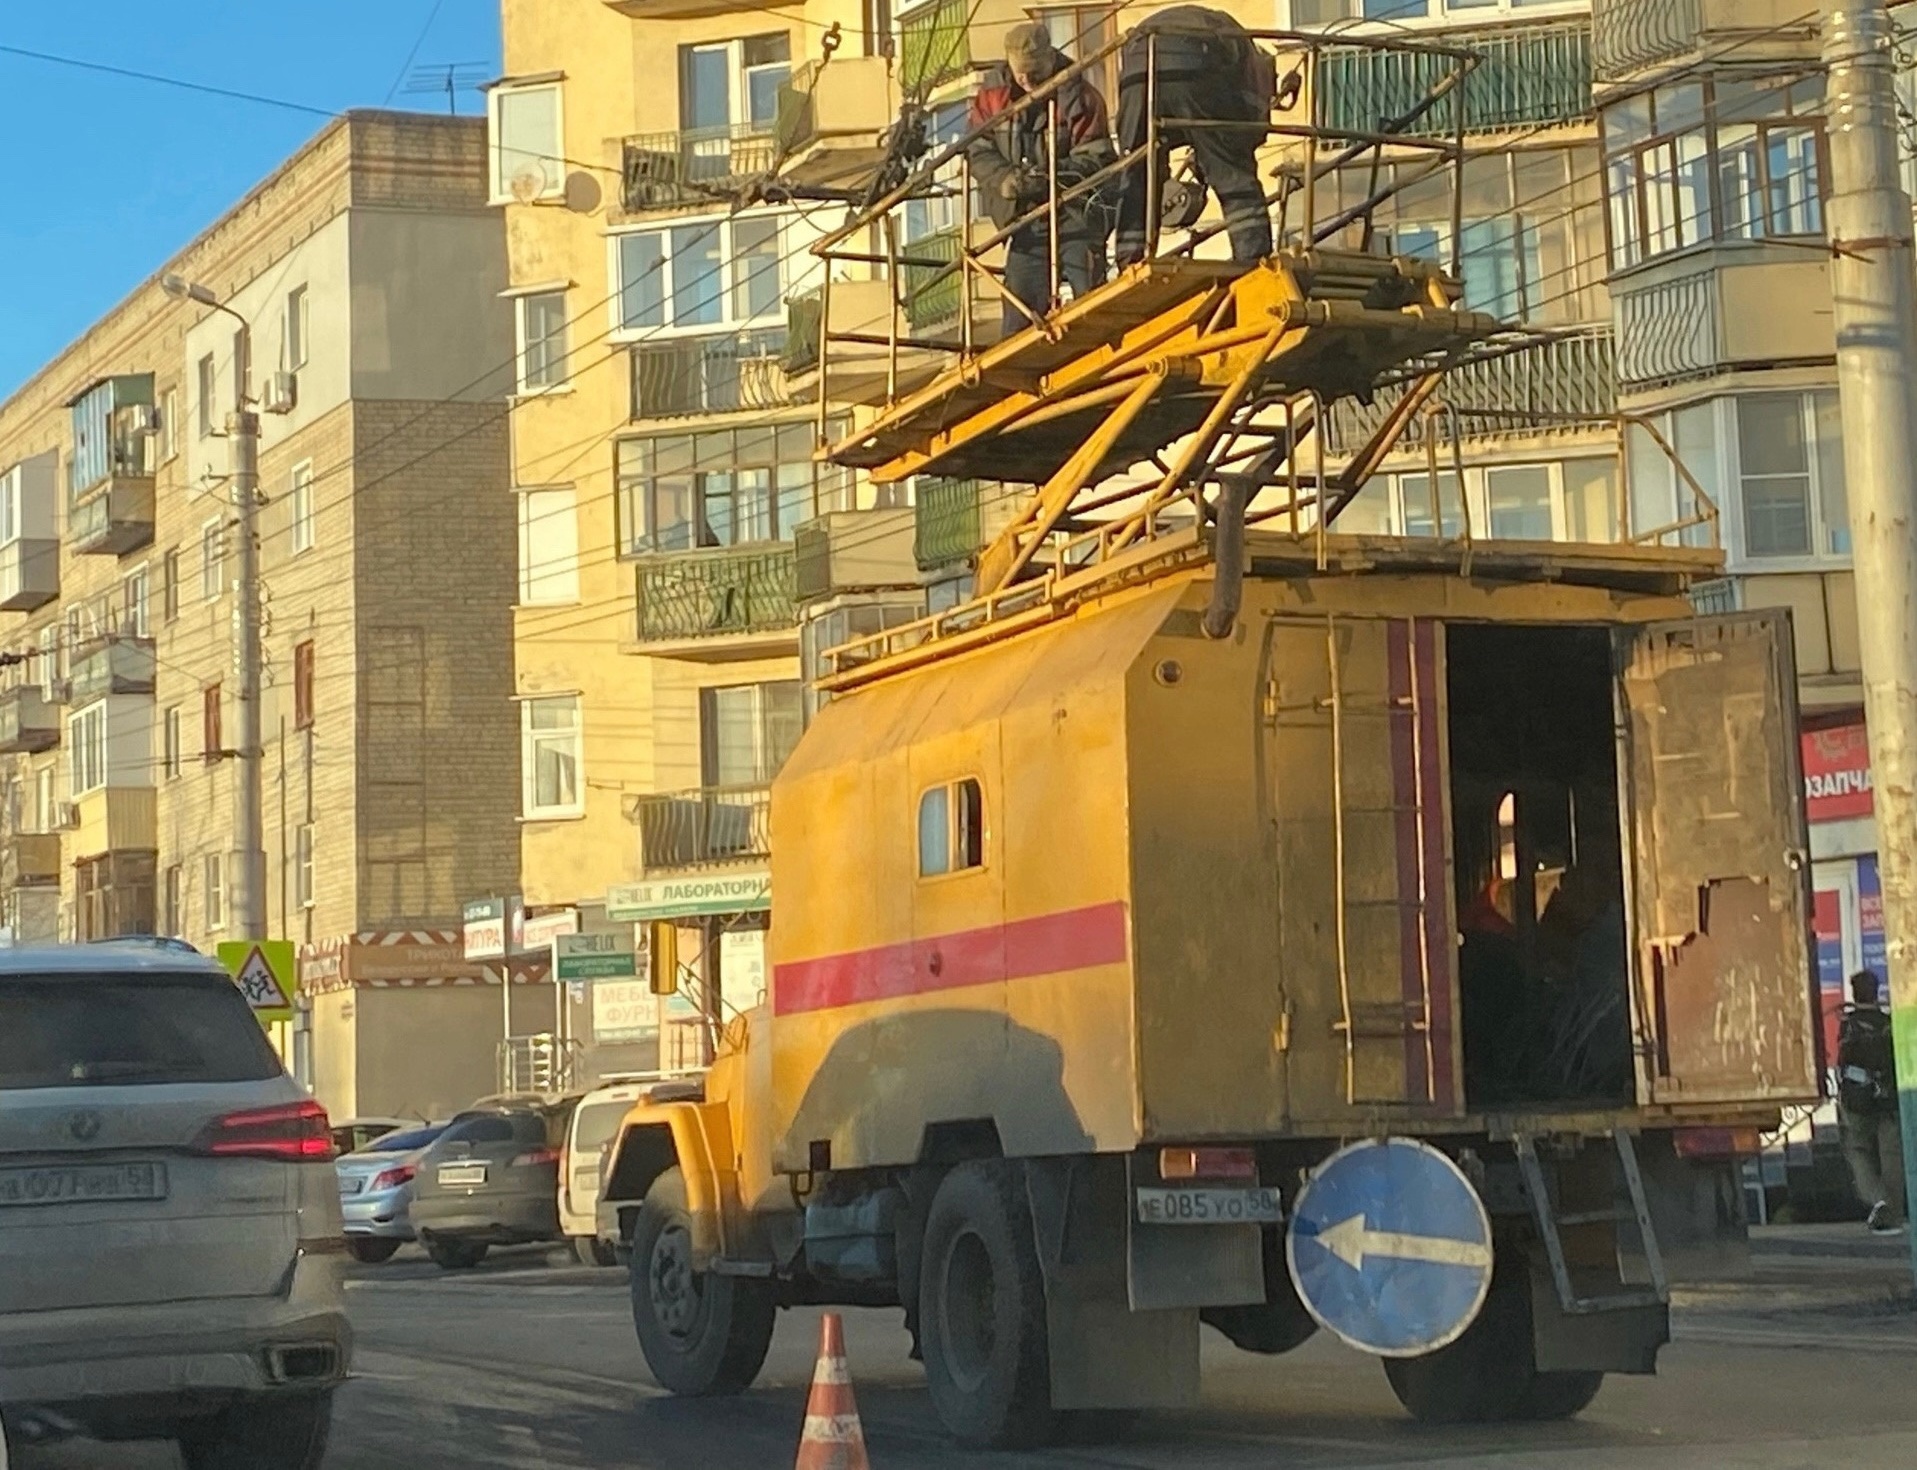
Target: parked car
(376, 1191)
(492, 1178)
(595, 1123)
(170, 1241)
(354, 1134)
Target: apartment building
(367, 271)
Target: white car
(170, 1241)
(595, 1123)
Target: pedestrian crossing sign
(263, 969)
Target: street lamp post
(243, 436)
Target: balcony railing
(1559, 384)
(28, 721)
(935, 46)
(696, 166)
(1534, 75)
(709, 375)
(929, 297)
(803, 313)
(707, 825)
(1632, 34)
(949, 528)
(116, 517)
(32, 859)
(114, 663)
(701, 594)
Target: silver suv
(170, 1241)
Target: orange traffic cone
(832, 1438)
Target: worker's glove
(1025, 187)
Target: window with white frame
(552, 756)
(206, 385)
(1557, 500)
(43, 799)
(172, 895)
(169, 424)
(133, 603)
(294, 338)
(548, 547)
(303, 865)
(728, 87)
(170, 743)
(542, 341)
(728, 487)
(11, 484)
(49, 661)
(212, 559)
(213, 879)
(87, 749)
(704, 274)
(527, 142)
(1790, 475)
(299, 507)
(1668, 460)
(1732, 157)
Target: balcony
(114, 517)
(854, 551)
(704, 375)
(1535, 75)
(734, 602)
(117, 819)
(678, 9)
(704, 827)
(1566, 383)
(29, 574)
(28, 722)
(831, 118)
(1717, 311)
(955, 519)
(698, 166)
(1634, 36)
(112, 663)
(31, 859)
(935, 46)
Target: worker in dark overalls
(1012, 166)
(1207, 68)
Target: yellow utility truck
(1245, 925)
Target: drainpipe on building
(1874, 298)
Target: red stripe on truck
(1050, 944)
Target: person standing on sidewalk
(1867, 1105)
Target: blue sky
(117, 174)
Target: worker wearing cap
(1012, 162)
(1206, 68)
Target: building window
(526, 143)
(50, 662)
(1728, 158)
(951, 829)
(170, 585)
(730, 488)
(294, 340)
(299, 503)
(548, 547)
(303, 685)
(1664, 507)
(746, 731)
(707, 274)
(43, 799)
(1563, 500)
(551, 756)
(206, 385)
(87, 749)
(1790, 460)
(171, 746)
(212, 559)
(542, 341)
(1518, 498)
(303, 865)
(133, 603)
(728, 86)
(172, 911)
(214, 876)
(212, 741)
(113, 895)
(169, 424)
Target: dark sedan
(490, 1179)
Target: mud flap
(1104, 1355)
(1624, 1340)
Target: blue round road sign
(1390, 1247)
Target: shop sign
(741, 891)
(540, 930)
(594, 957)
(1837, 774)
(623, 1010)
(484, 930)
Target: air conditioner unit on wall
(281, 393)
(66, 816)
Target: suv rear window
(596, 1124)
(109, 1030)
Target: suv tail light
(392, 1178)
(293, 1133)
(535, 1156)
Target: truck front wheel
(701, 1334)
(1490, 1373)
(982, 1310)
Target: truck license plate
(457, 1175)
(82, 1183)
(1210, 1207)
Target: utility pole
(249, 823)
(1874, 300)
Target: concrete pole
(1874, 299)
(249, 838)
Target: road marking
(1351, 1241)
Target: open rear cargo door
(1713, 813)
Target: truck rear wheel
(982, 1310)
(701, 1334)
(1490, 1373)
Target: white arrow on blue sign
(1390, 1247)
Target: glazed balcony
(110, 663)
(113, 517)
(29, 722)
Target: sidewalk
(1849, 1241)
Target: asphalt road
(529, 1363)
